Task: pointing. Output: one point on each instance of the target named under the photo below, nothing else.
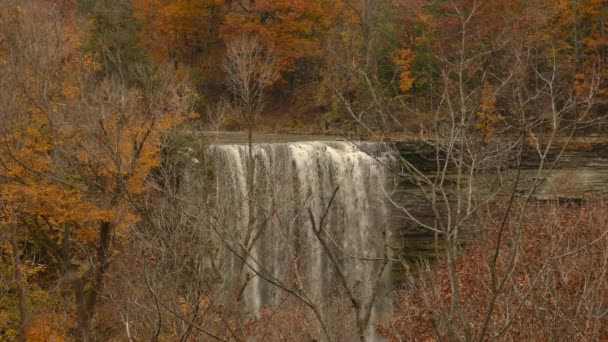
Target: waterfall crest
(272, 221)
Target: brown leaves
(550, 291)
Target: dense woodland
(101, 239)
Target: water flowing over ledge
(289, 179)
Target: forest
(440, 176)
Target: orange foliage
(486, 116)
(293, 28)
(403, 59)
(75, 151)
(178, 29)
(48, 327)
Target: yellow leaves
(486, 117)
(7, 331)
(30, 146)
(347, 36)
(192, 116)
(46, 198)
(124, 219)
(35, 141)
(126, 147)
(73, 71)
(77, 156)
(403, 59)
(532, 140)
(70, 92)
(184, 307)
(29, 269)
(87, 62)
(85, 234)
(7, 216)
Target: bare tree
(178, 289)
(250, 69)
(479, 158)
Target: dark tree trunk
(86, 300)
(23, 314)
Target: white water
(289, 179)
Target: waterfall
(289, 179)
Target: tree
(76, 149)
(250, 69)
(493, 103)
(114, 34)
(183, 32)
(554, 289)
(294, 29)
(178, 289)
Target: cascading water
(271, 217)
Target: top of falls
(260, 140)
(238, 138)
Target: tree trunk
(83, 317)
(86, 301)
(23, 314)
(370, 17)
